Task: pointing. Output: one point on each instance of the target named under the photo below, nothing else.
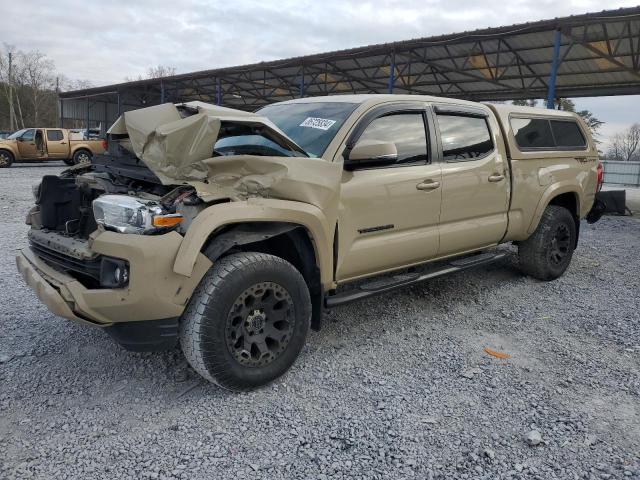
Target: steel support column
(162, 99)
(302, 81)
(87, 124)
(218, 92)
(392, 72)
(61, 121)
(551, 92)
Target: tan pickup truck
(231, 232)
(40, 144)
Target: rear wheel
(547, 253)
(81, 156)
(6, 159)
(247, 321)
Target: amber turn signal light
(170, 220)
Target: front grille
(85, 271)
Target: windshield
(234, 139)
(310, 125)
(15, 135)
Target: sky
(105, 42)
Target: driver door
(27, 144)
(388, 215)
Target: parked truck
(231, 232)
(41, 144)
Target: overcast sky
(104, 42)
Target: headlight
(126, 214)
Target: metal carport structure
(594, 54)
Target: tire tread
(532, 252)
(192, 337)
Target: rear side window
(54, 135)
(464, 138)
(567, 134)
(532, 133)
(544, 134)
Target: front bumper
(155, 291)
(45, 287)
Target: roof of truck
(378, 98)
(505, 109)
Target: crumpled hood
(179, 151)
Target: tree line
(625, 146)
(29, 87)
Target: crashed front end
(104, 238)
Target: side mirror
(371, 153)
(20, 139)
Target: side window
(28, 135)
(532, 133)
(406, 130)
(568, 134)
(464, 138)
(54, 135)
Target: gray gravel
(394, 387)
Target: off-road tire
(6, 159)
(69, 161)
(540, 255)
(81, 156)
(206, 325)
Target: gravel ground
(393, 387)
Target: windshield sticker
(319, 123)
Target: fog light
(121, 275)
(114, 273)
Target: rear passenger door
(57, 146)
(475, 179)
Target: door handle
(63, 143)
(496, 177)
(428, 185)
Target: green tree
(589, 118)
(526, 103)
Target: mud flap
(611, 201)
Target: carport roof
(599, 54)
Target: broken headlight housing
(126, 214)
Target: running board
(377, 287)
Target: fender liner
(243, 234)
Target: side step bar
(377, 287)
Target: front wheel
(6, 159)
(69, 161)
(247, 321)
(547, 253)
